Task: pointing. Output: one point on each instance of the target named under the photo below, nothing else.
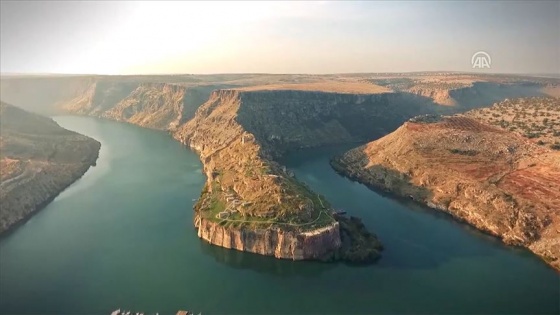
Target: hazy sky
(277, 37)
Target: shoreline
(337, 166)
(14, 226)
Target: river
(122, 237)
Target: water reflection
(263, 264)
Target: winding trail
(322, 211)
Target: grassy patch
(464, 152)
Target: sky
(110, 37)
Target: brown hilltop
(497, 180)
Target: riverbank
(498, 182)
(39, 160)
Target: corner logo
(481, 60)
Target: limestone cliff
(473, 94)
(161, 106)
(158, 102)
(38, 160)
(439, 95)
(275, 241)
(490, 178)
(287, 120)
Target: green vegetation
(359, 245)
(320, 205)
(534, 117)
(464, 152)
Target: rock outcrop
(38, 159)
(162, 106)
(287, 120)
(491, 178)
(316, 244)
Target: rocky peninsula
(252, 203)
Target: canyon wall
(285, 120)
(482, 94)
(158, 103)
(162, 106)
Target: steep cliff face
(161, 106)
(439, 95)
(482, 94)
(157, 106)
(495, 180)
(38, 159)
(100, 96)
(144, 101)
(318, 244)
(474, 95)
(283, 120)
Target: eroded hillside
(495, 179)
(161, 106)
(38, 159)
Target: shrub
(464, 152)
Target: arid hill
(38, 159)
(490, 177)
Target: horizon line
(6, 74)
